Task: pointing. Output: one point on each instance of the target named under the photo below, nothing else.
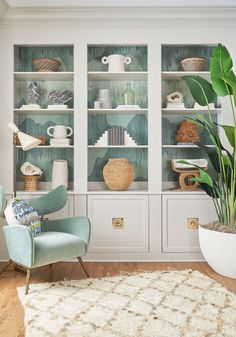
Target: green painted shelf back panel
(97, 159)
(173, 54)
(44, 158)
(170, 125)
(45, 88)
(136, 126)
(25, 54)
(138, 55)
(116, 90)
(178, 153)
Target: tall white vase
(60, 173)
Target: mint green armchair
(60, 239)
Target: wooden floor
(12, 314)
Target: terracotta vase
(118, 174)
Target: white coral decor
(29, 169)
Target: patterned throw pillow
(20, 212)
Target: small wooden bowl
(193, 63)
(45, 64)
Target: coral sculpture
(60, 96)
(33, 93)
(188, 132)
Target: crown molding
(3, 9)
(94, 16)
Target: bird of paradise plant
(223, 159)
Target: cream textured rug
(148, 304)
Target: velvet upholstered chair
(59, 240)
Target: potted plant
(218, 239)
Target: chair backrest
(2, 202)
(51, 202)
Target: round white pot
(219, 250)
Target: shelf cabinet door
(119, 223)
(179, 216)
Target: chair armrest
(78, 225)
(20, 244)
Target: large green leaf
(212, 155)
(212, 192)
(221, 71)
(230, 134)
(200, 89)
(204, 178)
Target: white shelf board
(40, 192)
(117, 111)
(176, 75)
(118, 146)
(190, 111)
(50, 147)
(44, 76)
(122, 76)
(183, 146)
(44, 111)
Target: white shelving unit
(122, 76)
(176, 75)
(44, 76)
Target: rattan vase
(118, 174)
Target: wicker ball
(118, 174)
(45, 64)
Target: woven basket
(31, 183)
(193, 63)
(45, 64)
(118, 174)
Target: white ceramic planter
(219, 250)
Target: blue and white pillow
(20, 212)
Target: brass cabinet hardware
(118, 223)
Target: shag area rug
(146, 304)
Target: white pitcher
(59, 131)
(116, 62)
(59, 173)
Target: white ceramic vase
(59, 173)
(219, 250)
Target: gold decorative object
(188, 132)
(118, 223)
(193, 63)
(118, 174)
(45, 64)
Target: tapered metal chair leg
(82, 265)
(5, 268)
(27, 281)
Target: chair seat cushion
(57, 246)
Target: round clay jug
(118, 174)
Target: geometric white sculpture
(103, 140)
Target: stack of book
(60, 142)
(116, 135)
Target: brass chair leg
(5, 268)
(27, 281)
(82, 265)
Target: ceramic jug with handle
(59, 131)
(116, 62)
